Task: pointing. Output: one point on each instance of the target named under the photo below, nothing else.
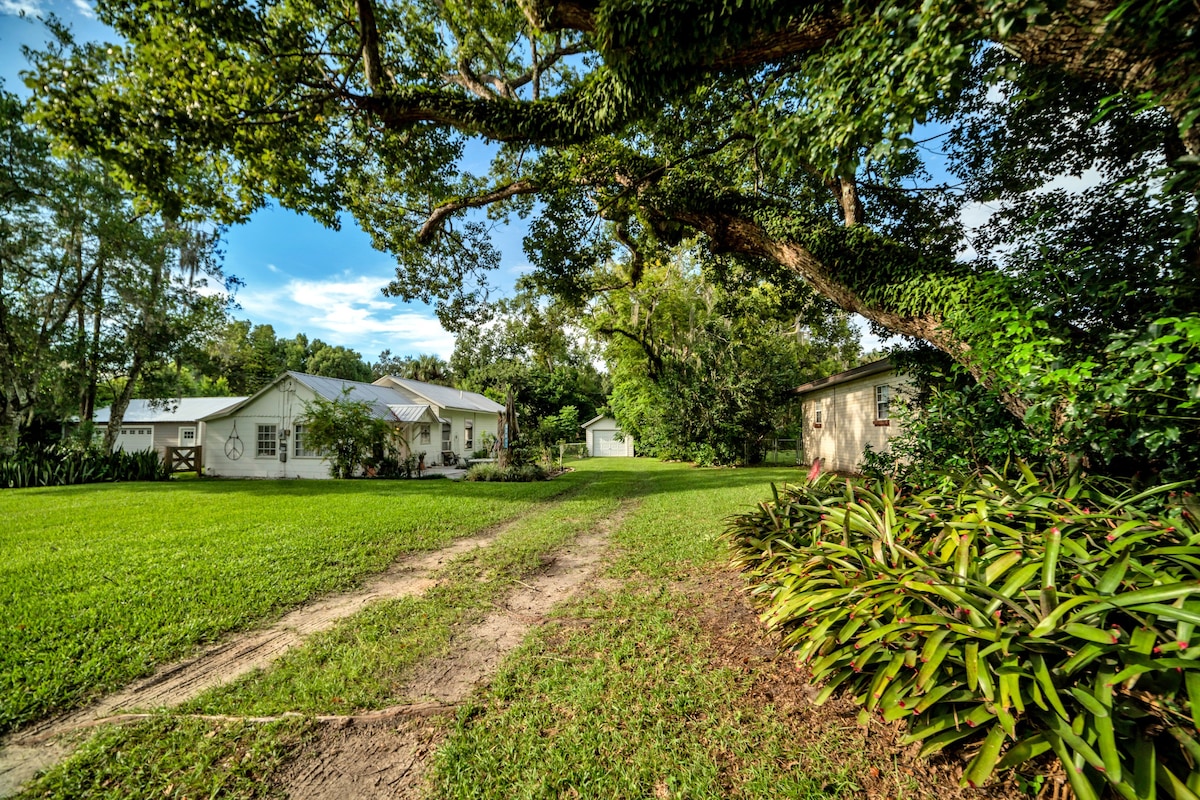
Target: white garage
(605, 439)
(133, 439)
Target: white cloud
(31, 8)
(350, 311)
(85, 8)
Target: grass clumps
(490, 473)
(1022, 616)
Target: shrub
(62, 465)
(1026, 616)
(514, 474)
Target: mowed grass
(618, 697)
(99, 584)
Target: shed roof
(447, 396)
(865, 371)
(178, 409)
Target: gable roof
(384, 402)
(596, 419)
(865, 371)
(179, 409)
(446, 396)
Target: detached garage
(604, 439)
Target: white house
(263, 436)
(462, 418)
(160, 424)
(843, 413)
(605, 439)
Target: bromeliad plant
(1024, 616)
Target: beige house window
(818, 415)
(883, 404)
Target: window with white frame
(883, 402)
(300, 447)
(267, 441)
(423, 437)
(818, 415)
(469, 436)
(445, 436)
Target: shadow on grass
(624, 478)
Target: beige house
(160, 424)
(263, 436)
(846, 412)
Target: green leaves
(1067, 626)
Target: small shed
(844, 413)
(604, 438)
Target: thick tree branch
(369, 35)
(435, 221)
(731, 232)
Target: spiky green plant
(1025, 616)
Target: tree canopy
(783, 136)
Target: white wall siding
(848, 421)
(282, 407)
(608, 432)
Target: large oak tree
(778, 134)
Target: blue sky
(299, 276)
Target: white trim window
(818, 415)
(300, 448)
(423, 437)
(267, 441)
(446, 437)
(469, 435)
(883, 402)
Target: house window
(424, 437)
(300, 447)
(469, 436)
(883, 401)
(818, 415)
(267, 440)
(445, 437)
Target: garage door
(131, 439)
(607, 444)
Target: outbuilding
(162, 424)
(844, 413)
(605, 439)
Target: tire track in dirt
(41, 745)
(367, 758)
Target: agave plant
(1024, 615)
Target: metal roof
(447, 396)
(178, 409)
(865, 371)
(410, 413)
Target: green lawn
(100, 583)
(617, 697)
